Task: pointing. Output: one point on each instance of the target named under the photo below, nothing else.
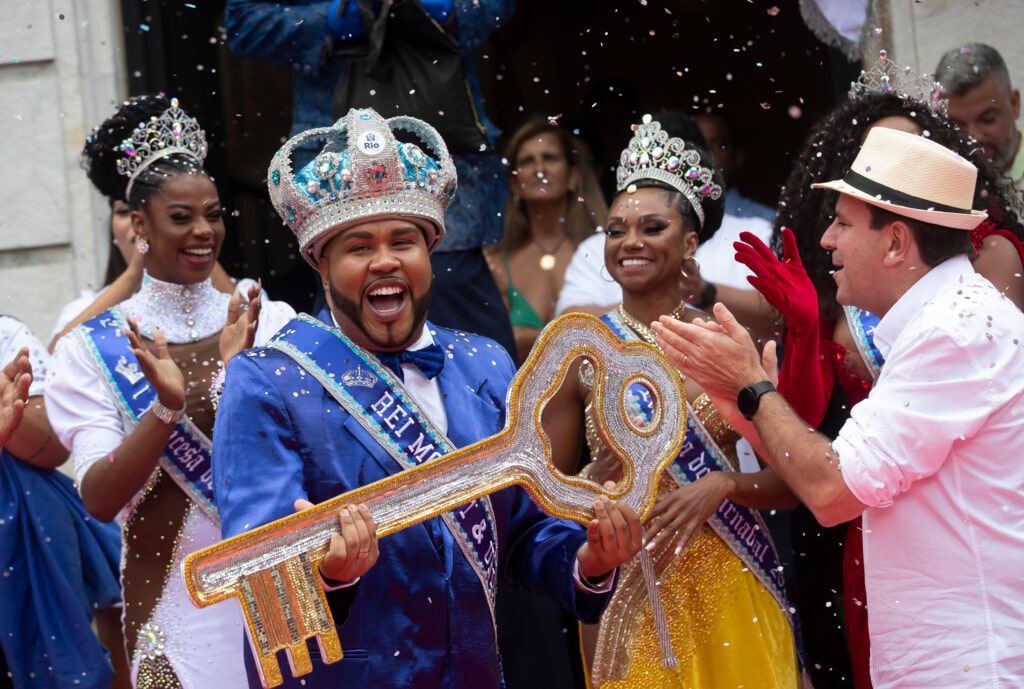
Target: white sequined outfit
(171, 643)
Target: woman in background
(554, 203)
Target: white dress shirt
(935, 454)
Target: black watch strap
(749, 398)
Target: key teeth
(330, 646)
(299, 660)
(270, 672)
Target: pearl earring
(142, 245)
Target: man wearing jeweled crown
(368, 388)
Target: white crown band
(651, 154)
(172, 133)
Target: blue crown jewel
(885, 76)
(363, 170)
(173, 132)
(651, 154)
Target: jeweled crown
(885, 76)
(363, 172)
(651, 154)
(170, 133)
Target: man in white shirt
(930, 457)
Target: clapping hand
(805, 378)
(160, 370)
(239, 331)
(15, 379)
(784, 284)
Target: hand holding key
(353, 551)
(613, 536)
(272, 569)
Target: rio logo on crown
(370, 142)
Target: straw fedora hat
(914, 177)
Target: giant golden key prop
(273, 570)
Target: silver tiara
(651, 154)
(173, 132)
(362, 171)
(885, 76)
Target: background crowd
(564, 240)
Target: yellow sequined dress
(727, 629)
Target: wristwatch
(750, 398)
(169, 416)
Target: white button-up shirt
(935, 452)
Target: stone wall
(922, 31)
(60, 74)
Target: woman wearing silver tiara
(704, 604)
(131, 397)
(125, 265)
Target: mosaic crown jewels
(363, 172)
(174, 132)
(885, 76)
(651, 154)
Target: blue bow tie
(428, 360)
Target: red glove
(786, 286)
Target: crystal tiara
(651, 154)
(885, 76)
(172, 133)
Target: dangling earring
(142, 246)
(682, 271)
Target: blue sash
(862, 325)
(186, 456)
(741, 528)
(375, 398)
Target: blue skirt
(57, 564)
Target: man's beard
(354, 314)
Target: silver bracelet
(168, 416)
